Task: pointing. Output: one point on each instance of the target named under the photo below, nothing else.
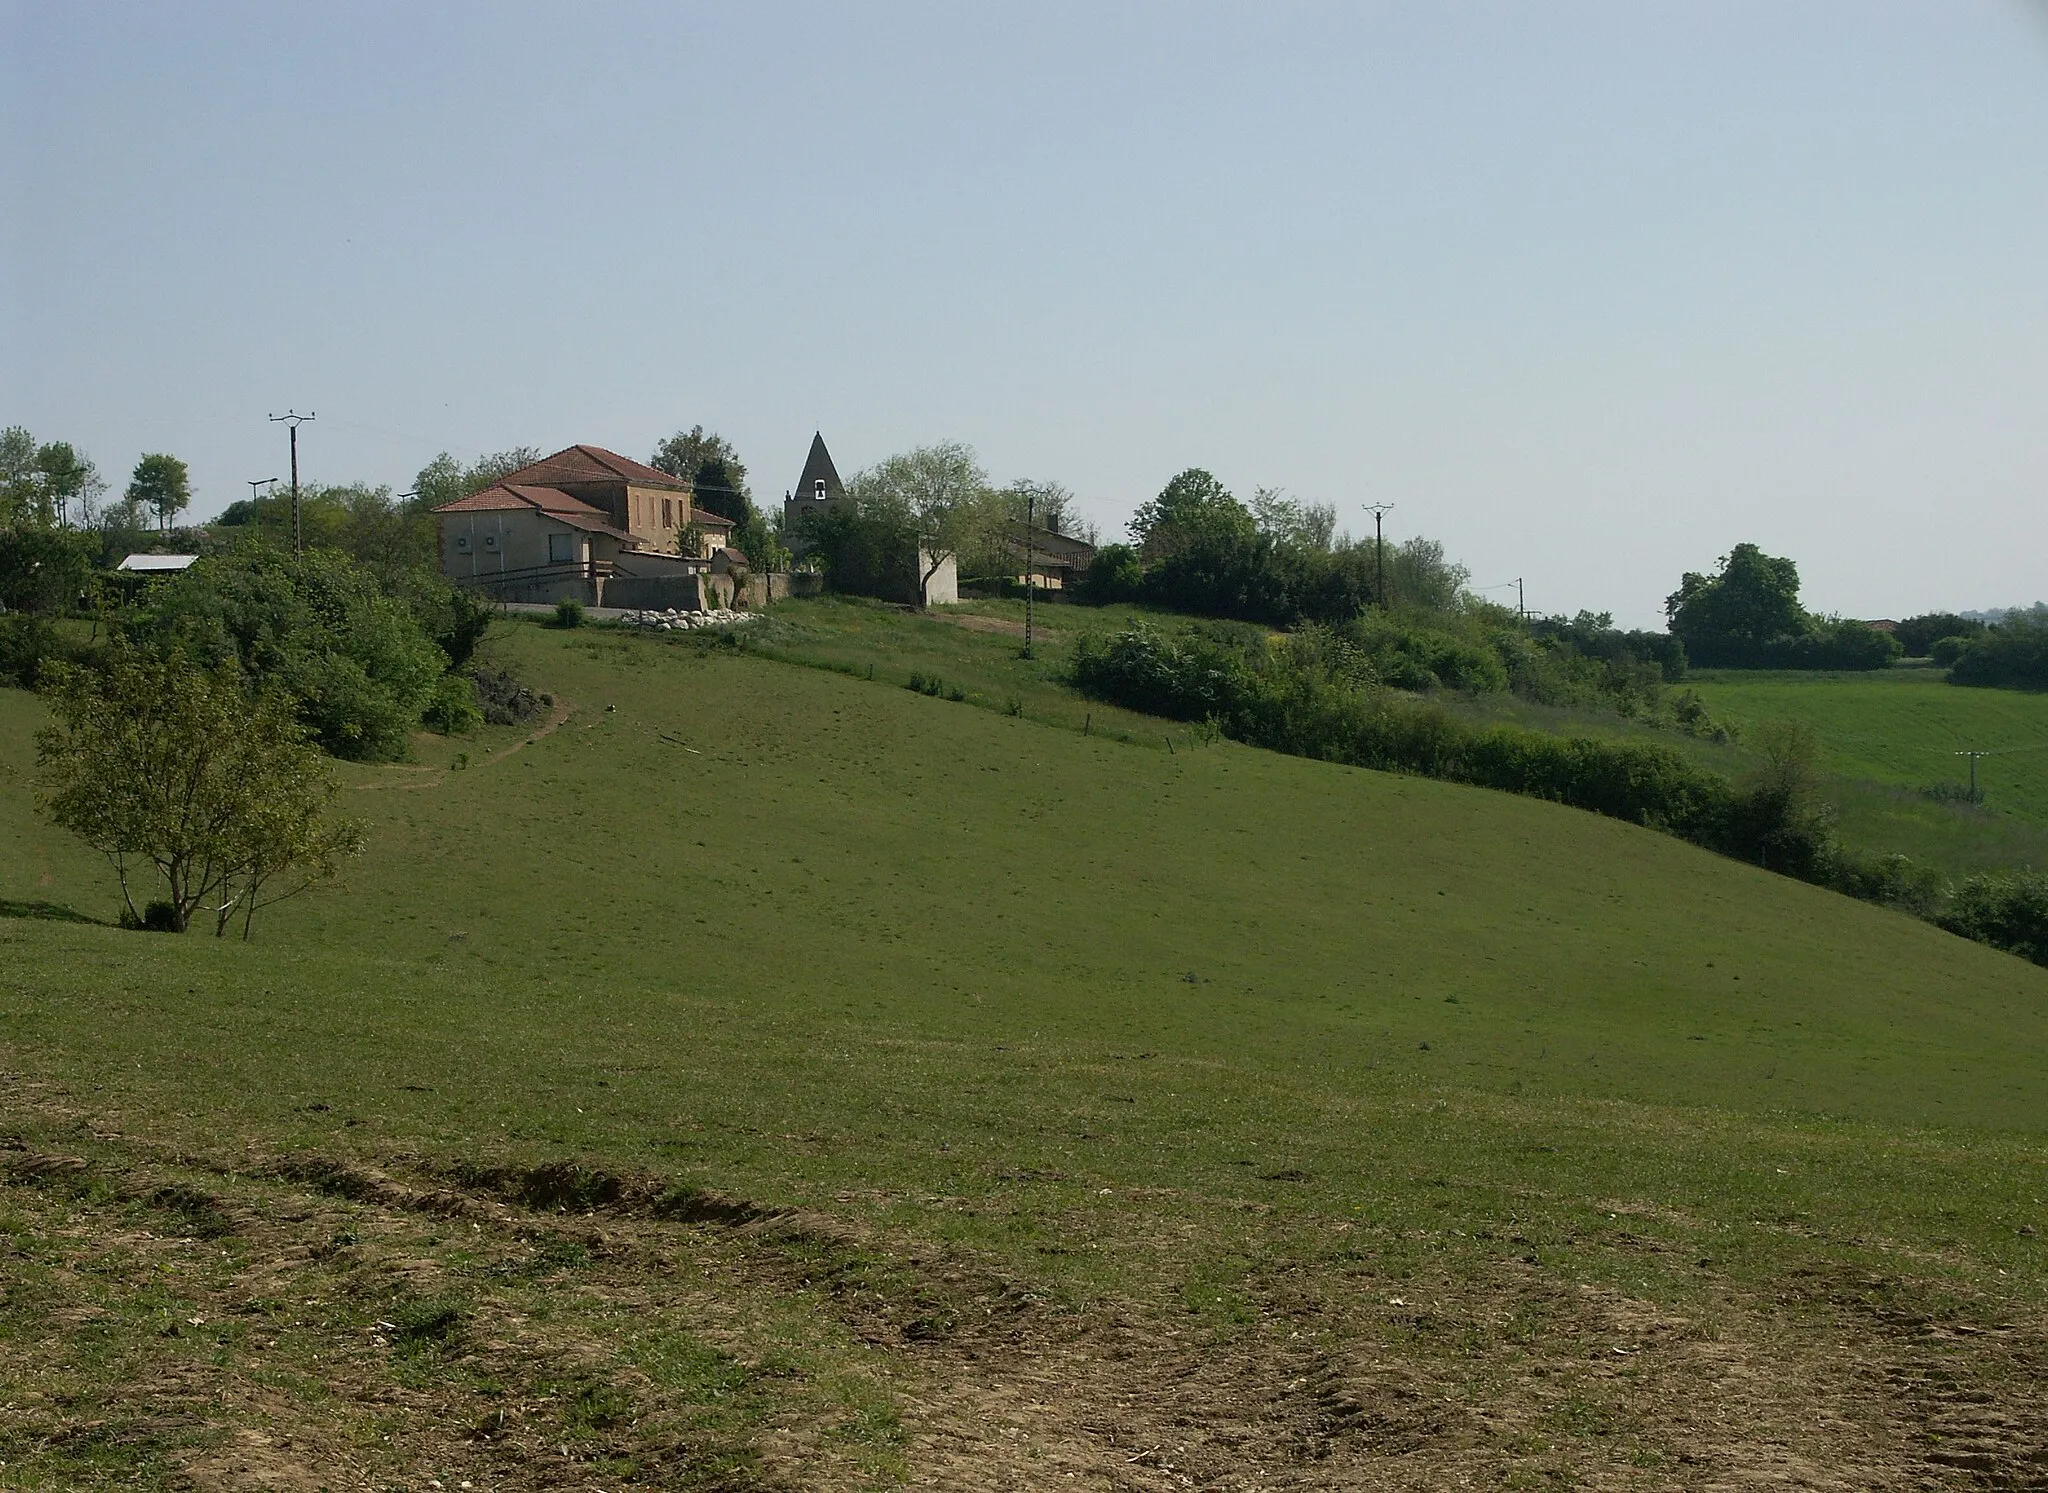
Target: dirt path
(405, 775)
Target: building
(1046, 559)
(578, 524)
(816, 490)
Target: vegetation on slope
(1105, 1086)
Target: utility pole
(256, 488)
(1973, 756)
(1521, 602)
(1379, 546)
(293, 420)
(1030, 555)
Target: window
(462, 543)
(668, 518)
(821, 489)
(561, 548)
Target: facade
(644, 503)
(1046, 559)
(571, 522)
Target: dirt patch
(974, 623)
(307, 1321)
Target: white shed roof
(157, 562)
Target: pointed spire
(818, 468)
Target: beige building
(569, 523)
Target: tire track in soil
(999, 1391)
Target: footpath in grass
(1200, 1114)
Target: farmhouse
(590, 524)
(1045, 558)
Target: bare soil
(302, 1322)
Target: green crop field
(766, 1076)
(1890, 737)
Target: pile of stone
(675, 620)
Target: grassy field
(765, 1076)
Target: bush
(2011, 656)
(354, 661)
(2007, 912)
(1113, 575)
(568, 612)
(45, 570)
(1919, 635)
(1945, 651)
(29, 647)
(454, 710)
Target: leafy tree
(1753, 598)
(938, 496)
(44, 569)
(1918, 635)
(717, 476)
(1309, 526)
(1194, 508)
(161, 485)
(444, 479)
(2013, 655)
(355, 661)
(40, 484)
(155, 763)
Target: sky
(1588, 292)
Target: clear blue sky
(1591, 292)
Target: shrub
(568, 612)
(29, 647)
(353, 660)
(454, 710)
(1113, 575)
(1945, 651)
(45, 570)
(2007, 912)
(1918, 635)
(2012, 656)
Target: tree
(708, 462)
(155, 763)
(1193, 508)
(939, 495)
(355, 661)
(1308, 526)
(39, 484)
(1752, 599)
(444, 479)
(162, 485)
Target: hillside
(772, 1076)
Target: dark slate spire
(818, 468)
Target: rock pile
(675, 620)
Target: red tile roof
(594, 464)
(505, 497)
(707, 520)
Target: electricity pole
(1379, 547)
(1973, 756)
(293, 420)
(1030, 548)
(256, 488)
(1521, 602)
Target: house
(585, 523)
(644, 503)
(1045, 558)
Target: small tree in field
(158, 764)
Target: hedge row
(1298, 696)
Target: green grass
(1238, 1043)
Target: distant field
(771, 1077)
(1896, 733)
